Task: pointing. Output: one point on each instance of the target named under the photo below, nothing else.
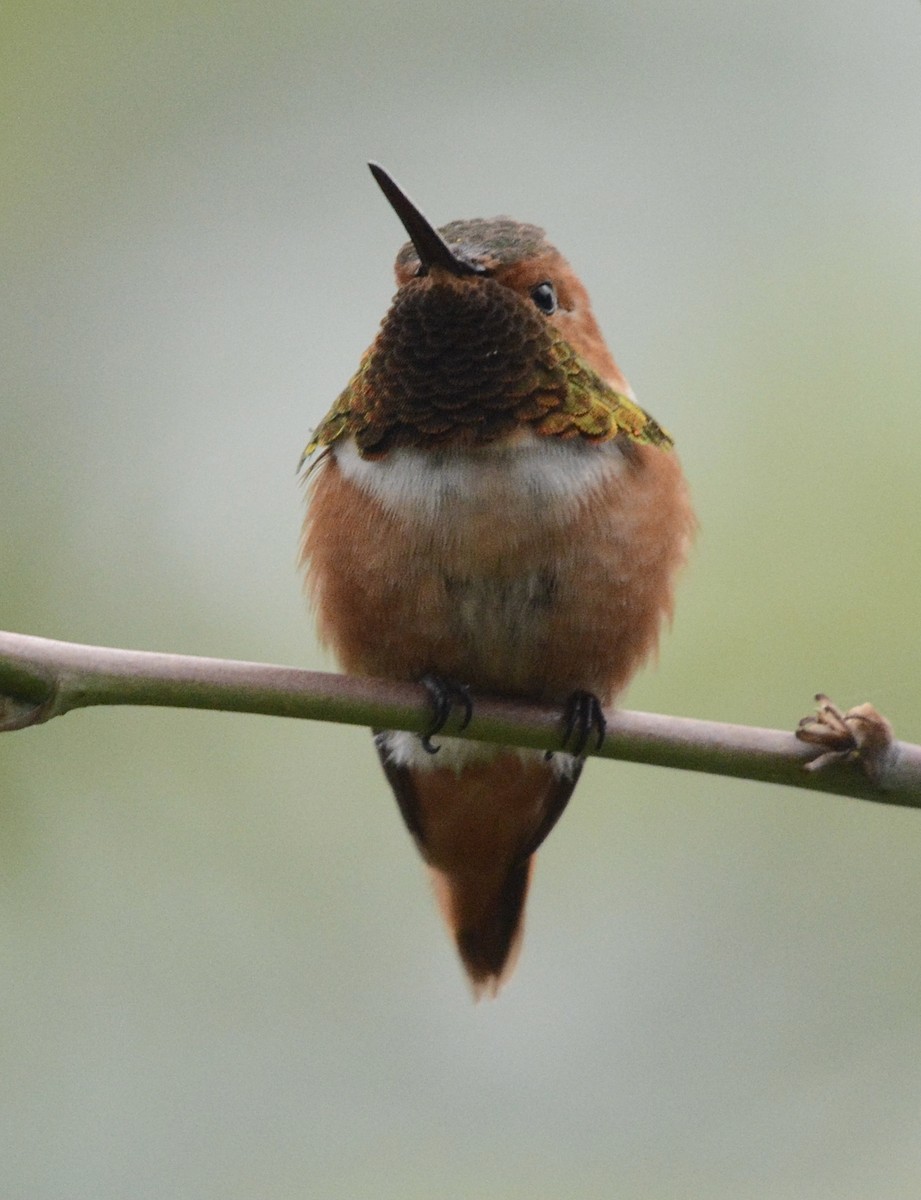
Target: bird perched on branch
(490, 509)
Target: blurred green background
(222, 973)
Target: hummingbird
(490, 509)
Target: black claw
(583, 717)
(445, 694)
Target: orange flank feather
(513, 594)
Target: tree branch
(41, 679)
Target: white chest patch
(530, 473)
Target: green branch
(41, 679)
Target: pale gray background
(222, 973)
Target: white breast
(524, 476)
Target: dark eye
(544, 296)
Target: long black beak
(431, 247)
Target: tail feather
(477, 824)
(487, 922)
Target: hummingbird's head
(516, 256)
(490, 337)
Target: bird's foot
(860, 735)
(445, 694)
(583, 719)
